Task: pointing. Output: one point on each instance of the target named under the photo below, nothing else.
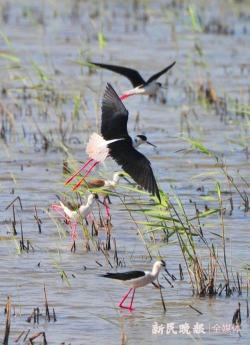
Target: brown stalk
(7, 321)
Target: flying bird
(97, 150)
(135, 279)
(140, 86)
(116, 143)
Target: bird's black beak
(150, 144)
(127, 180)
(98, 200)
(158, 286)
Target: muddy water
(54, 38)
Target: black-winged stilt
(116, 143)
(135, 279)
(73, 213)
(105, 183)
(141, 87)
(102, 183)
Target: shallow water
(55, 37)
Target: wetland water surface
(50, 103)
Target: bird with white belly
(140, 86)
(74, 213)
(135, 279)
(115, 142)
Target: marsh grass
(31, 92)
(220, 164)
(172, 225)
(161, 224)
(167, 223)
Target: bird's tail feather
(132, 92)
(66, 210)
(97, 148)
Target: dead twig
(7, 322)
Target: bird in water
(140, 86)
(102, 183)
(115, 142)
(105, 183)
(135, 279)
(73, 213)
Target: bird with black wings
(115, 142)
(114, 126)
(148, 87)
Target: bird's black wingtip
(110, 93)
(171, 65)
(156, 193)
(158, 196)
(154, 189)
(106, 275)
(92, 64)
(102, 275)
(111, 98)
(109, 87)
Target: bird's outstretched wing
(135, 164)
(134, 76)
(72, 206)
(157, 75)
(114, 116)
(125, 276)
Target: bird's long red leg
(78, 171)
(78, 183)
(91, 168)
(107, 208)
(125, 96)
(124, 298)
(73, 233)
(58, 209)
(87, 173)
(132, 299)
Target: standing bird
(141, 87)
(102, 183)
(135, 279)
(73, 213)
(116, 143)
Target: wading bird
(116, 143)
(102, 183)
(141, 87)
(73, 213)
(135, 279)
